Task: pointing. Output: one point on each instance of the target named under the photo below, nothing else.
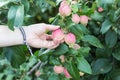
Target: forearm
(9, 38)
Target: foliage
(98, 56)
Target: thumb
(51, 27)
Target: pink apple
(70, 39)
(58, 69)
(65, 10)
(37, 73)
(63, 3)
(100, 9)
(84, 19)
(58, 34)
(76, 46)
(75, 18)
(67, 75)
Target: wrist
(18, 38)
(9, 37)
(24, 39)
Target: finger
(38, 43)
(49, 37)
(46, 37)
(43, 37)
(57, 44)
(61, 41)
(47, 26)
(53, 44)
(47, 44)
(51, 27)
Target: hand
(36, 36)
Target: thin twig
(36, 66)
(43, 64)
(46, 51)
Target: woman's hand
(36, 36)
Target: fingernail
(58, 26)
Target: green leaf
(75, 29)
(116, 53)
(72, 69)
(116, 15)
(110, 39)
(83, 65)
(4, 2)
(82, 28)
(84, 51)
(86, 10)
(115, 74)
(15, 16)
(104, 3)
(92, 40)
(44, 57)
(62, 49)
(52, 3)
(9, 77)
(103, 52)
(97, 16)
(1, 50)
(27, 78)
(32, 61)
(74, 8)
(26, 5)
(1, 75)
(94, 27)
(73, 51)
(105, 26)
(58, 1)
(53, 77)
(101, 66)
(51, 19)
(15, 55)
(55, 21)
(42, 4)
(29, 64)
(94, 6)
(54, 61)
